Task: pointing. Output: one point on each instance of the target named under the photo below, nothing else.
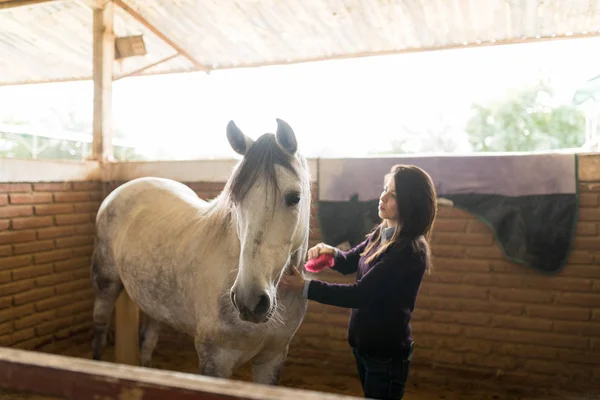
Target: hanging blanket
(528, 201)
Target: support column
(104, 55)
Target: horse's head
(270, 194)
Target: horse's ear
(239, 142)
(286, 138)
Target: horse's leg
(214, 360)
(267, 366)
(107, 288)
(148, 340)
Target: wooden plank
(81, 379)
(126, 331)
(4, 4)
(104, 54)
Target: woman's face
(388, 209)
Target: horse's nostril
(264, 303)
(232, 296)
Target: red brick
(522, 295)
(587, 328)
(32, 295)
(52, 187)
(83, 229)
(30, 198)
(82, 251)
(16, 287)
(435, 328)
(477, 279)
(585, 243)
(444, 277)
(475, 239)
(589, 214)
(16, 237)
(462, 265)
(34, 319)
(21, 336)
(450, 225)
(477, 226)
(33, 247)
(486, 252)
(73, 219)
(557, 312)
(447, 251)
(15, 187)
(13, 313)
(456, 291)
(5, 277)
(527, 337)
(5, 251)
(31, 222)
(596, 315)
(50, 256)
(75, 241)
(579, 299)
(74, 263)
(528, 351)
(54, 325)
(3, 199)
(56, 301)
(54, 209)
(463, 318)
(87, 185)
(71, 197)
(588, 199)
(15, 211)
(583, 271)
(55, 232)
(525, 323)
(74, 286)
(491, 361)
(31, 271)
(579, 257)
(438, 303)
(99, 196)
(14, 262)
(586, 229)
(492, 307)
(87, 207)
(4, 224)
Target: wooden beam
(104, 54)
(79, 379)
(142, 69)
(138, 17)
(127, 319)
(4, 4)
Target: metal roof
(51, 40)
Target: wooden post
(126, 331)
(104, 54)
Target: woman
(390, 263)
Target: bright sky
(326, 103)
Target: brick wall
(45, 247)
(478, 315)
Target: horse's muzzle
(259, 312)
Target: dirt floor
(178, 354)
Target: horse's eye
(291, 199)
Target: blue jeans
(382, 377)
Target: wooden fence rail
(82, 379)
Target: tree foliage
(526, 120)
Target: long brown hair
(416, 200)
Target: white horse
(211, 268)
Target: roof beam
(138, 17)
(4, 4)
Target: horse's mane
(261, 158)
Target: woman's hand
(320, 248)
(293, 282)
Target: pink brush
(318, 264)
